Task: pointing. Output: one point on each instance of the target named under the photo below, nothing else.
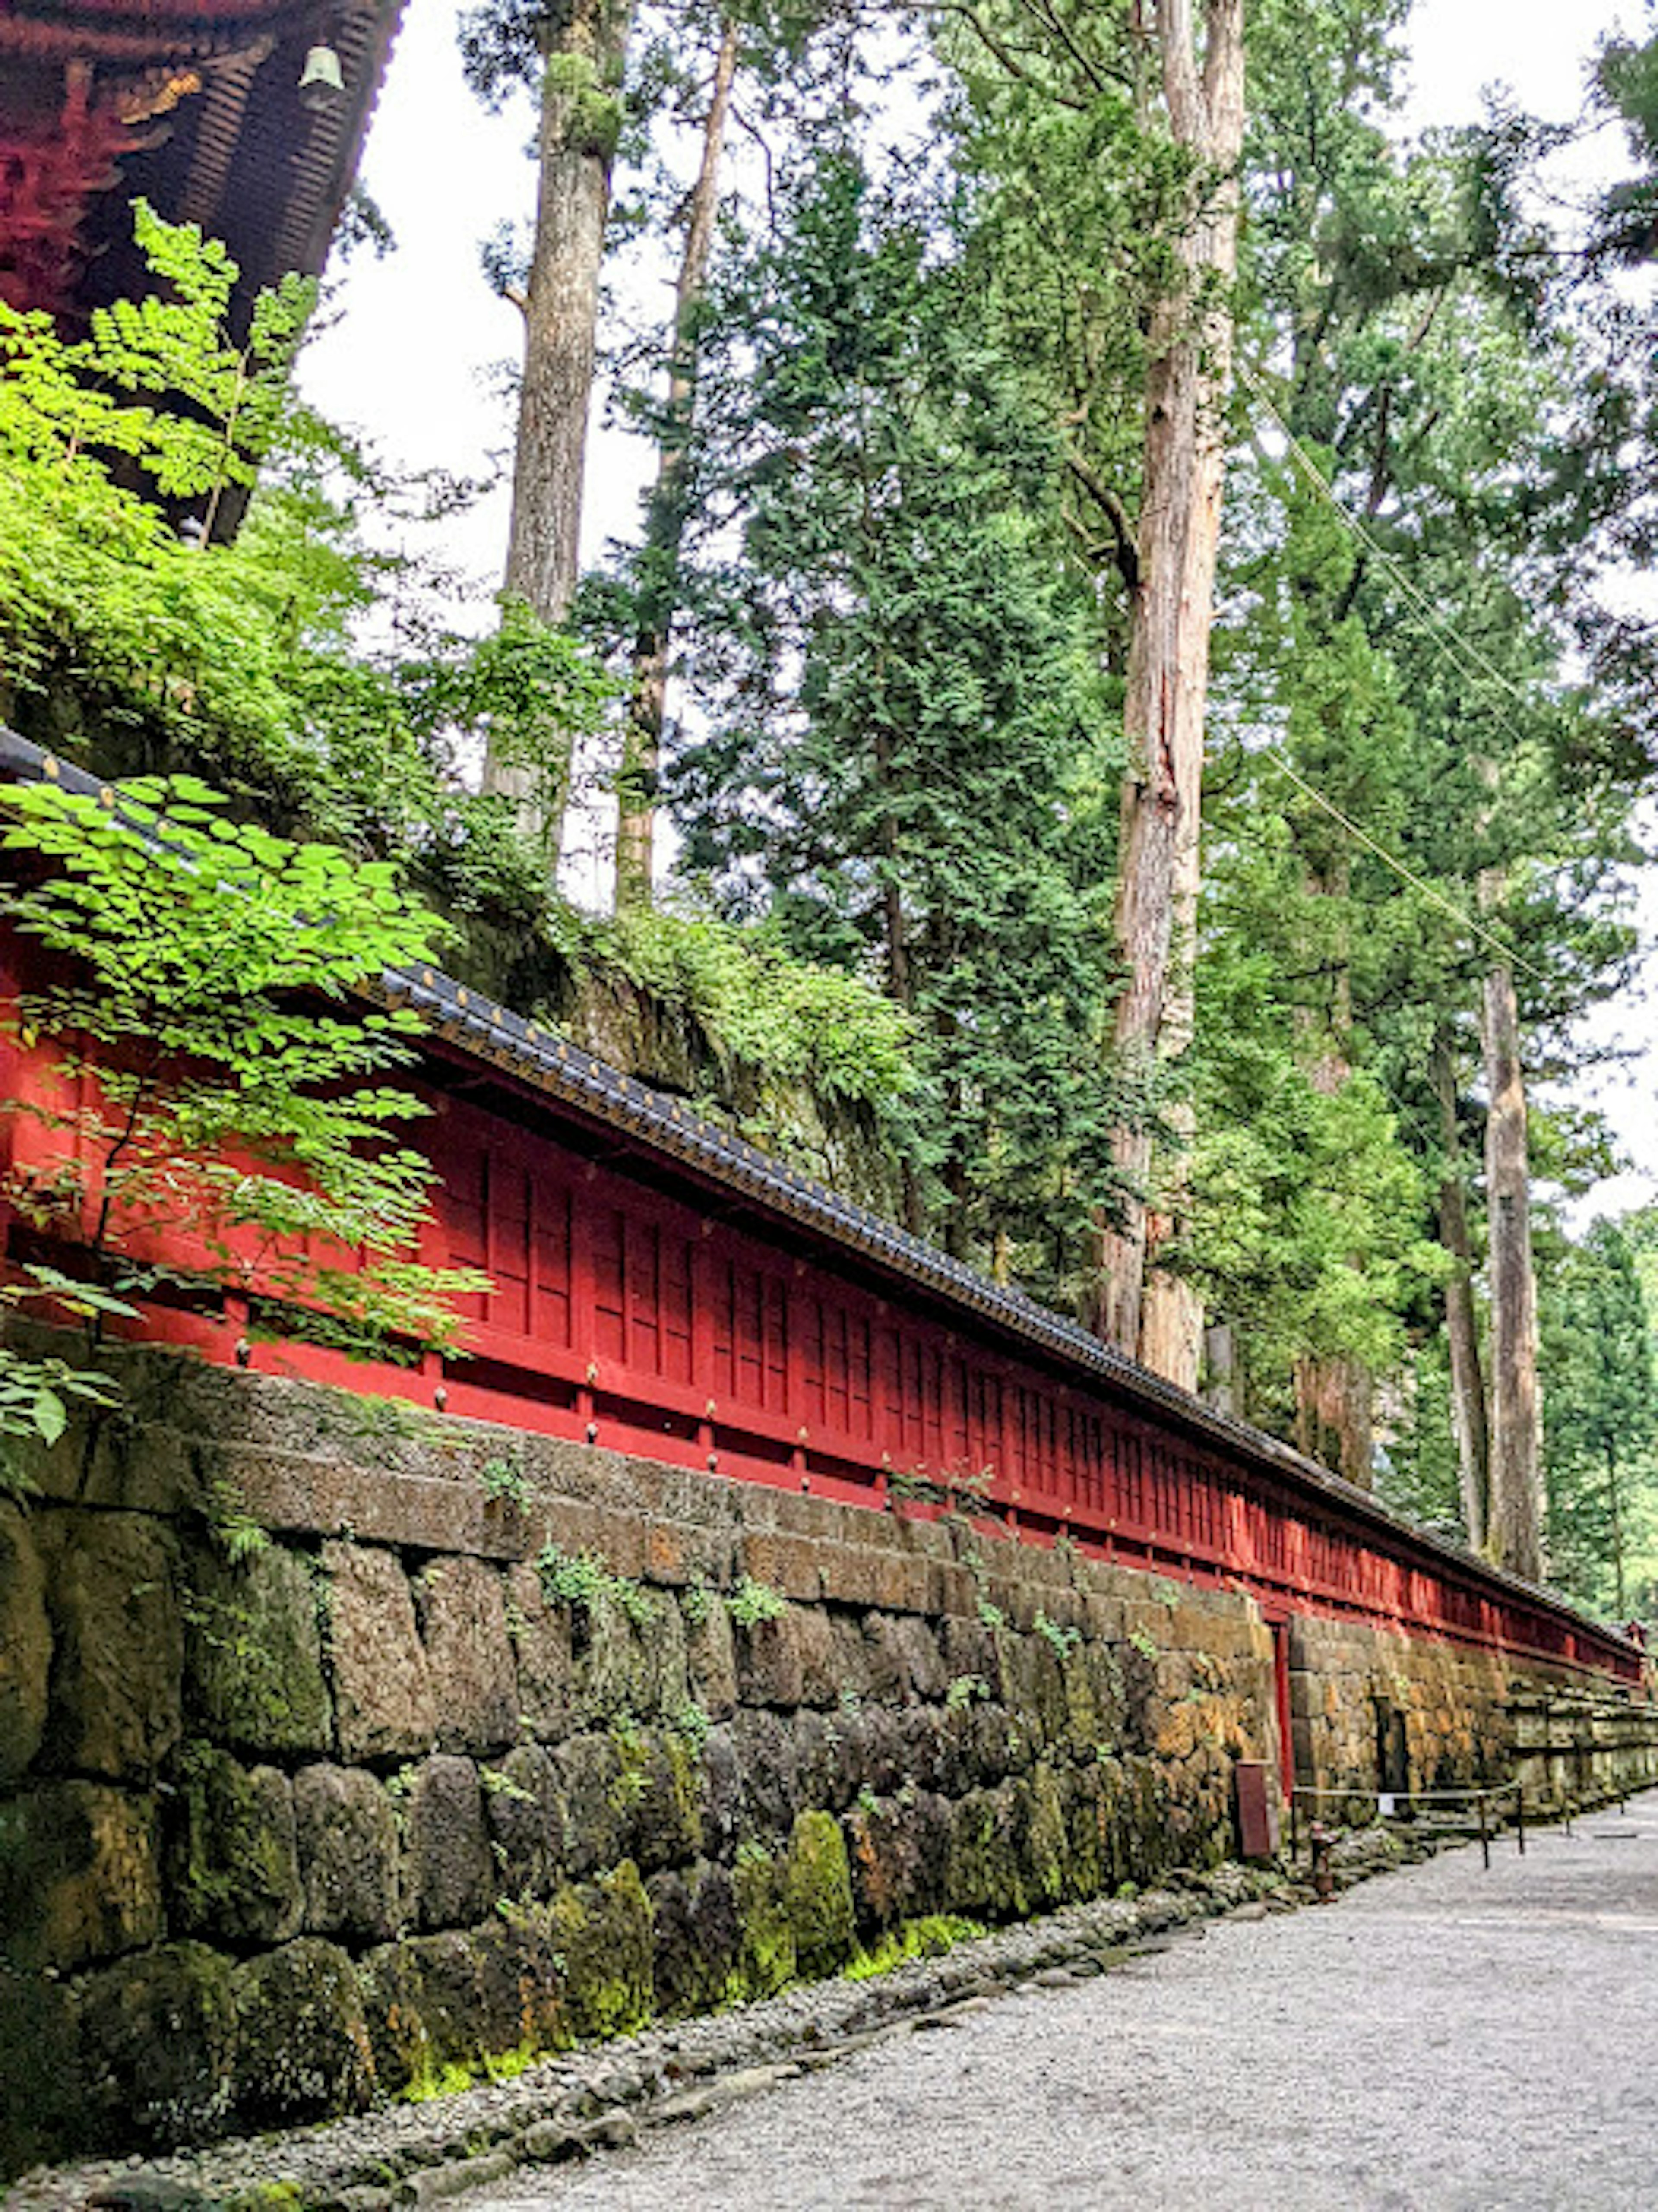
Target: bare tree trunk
(1462, 1326)
(1223, 1382)
(665, 527)
(1615, 1511)
(1333, 1419)
(1514, 1530)
(1171, 606)
(1335, 1398)
(580, 116)
(1171, 1312)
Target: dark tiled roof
(192, 105)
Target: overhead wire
(1471, 659)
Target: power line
(1471, 658)
(1435, 897)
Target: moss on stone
(984, 1873)
(768, 1960)
(44, 2106)
(1046, 1854)
(233, 1866)
(253, 1653)
(602, 1933)
(927, 1938)
(161, 2038)
(305, 2050)
(818, 1891)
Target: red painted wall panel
(653, 1323)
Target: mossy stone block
(346, 1835)
(898, 1850)
(540, 1637)
(79, 1874)
(614, 1670)
(113, 1594)
(1045, 1847)
(525, 1809)
(602, 1933)
(304, 2051)
(162, 2041)
(461, 1607)
(769, 1775)
(767, 1952)
(711, 1654)
(450, 1870)
(25, 1645)
(254, 1654)
(722, 1794)
(383, 1697)
(658, 1792)
(44, 2108)
(817, 1889)
(521, 1989)
(699, 1941)
(233, 1870)
(910, 1653)
(399, 2041)
(589, 1770)
(983, 1874)
(769, 1667)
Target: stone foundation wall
(1373, 1711)
(494, 1743)
(346, 1750)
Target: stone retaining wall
(346, 1750)
(1373, 1711)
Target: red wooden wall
(645, 1323)
(639, 1307)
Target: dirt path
(1440, 2037)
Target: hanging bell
(322, 81)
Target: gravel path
(1439, 2037)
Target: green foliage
(1597, 1370)
(1063, 1640)
(503, 1481)
(219, 1105)
(697, 1604)
(240, 659)
(891, 661)
(583, 1579)
(497, 1784)
(814, 1028)
(927, 1938)
(691, 1723)
(754, 1602)
(99, 393)
(36, 1391)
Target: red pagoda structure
(246, 117)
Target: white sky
(410, 352)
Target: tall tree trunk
(1171, 606)
(580, 117)
(636, 831)
(1335, 1398)
(1334, 1422)
(1461, 1326)
(1222, 1387)
(1513, 1529)
(1615, 1509)
(1171, 1312)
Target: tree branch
(1125, 547)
